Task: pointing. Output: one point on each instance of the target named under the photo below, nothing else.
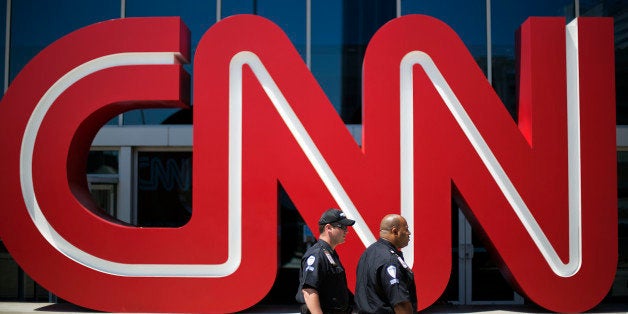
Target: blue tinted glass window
(229, 8)
(340, 32)
(290, 16)
(507, 17)
(35, 24)
(3, 23)
(199, 16)
(361, 19)
(466, 18)
(618, 10)
(326, 48)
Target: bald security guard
(385, 283)
(323, 283)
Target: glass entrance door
(479, 278)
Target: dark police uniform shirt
(321, 270)
(384, 279)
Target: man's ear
(394, 230)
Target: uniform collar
(390, 246)
(325, 245)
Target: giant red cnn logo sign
(542, 190)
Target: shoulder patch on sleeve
(392, 271)
(310, 261)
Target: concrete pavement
(39, 307)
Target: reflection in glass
(361, 19)
(164, 189)
(106, 196)
(102, 162)
(327, 48)
(102, 179)
(36, 24)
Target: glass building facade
(145, 179)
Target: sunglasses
(343, 227)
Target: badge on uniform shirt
(331, 259)
(310, 262)
(392, 271)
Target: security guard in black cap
(385, 283)
(323, 283)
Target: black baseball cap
(334, 215)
